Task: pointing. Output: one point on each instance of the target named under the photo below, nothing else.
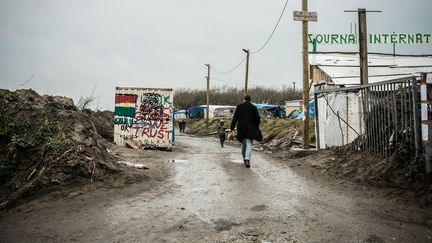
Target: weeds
(18, 134)
(53, 147)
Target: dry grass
(271, 128)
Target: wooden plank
(305, 16)
(133, 144)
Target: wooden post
(363, 46)
(305, 79)
(247, 72)
(208, 94)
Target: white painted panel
(145, 115)
(335, 131)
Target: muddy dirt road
(207, 195)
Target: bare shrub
(186, 97)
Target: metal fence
(390, 114)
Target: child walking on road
(221, 132)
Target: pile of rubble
(46, 142)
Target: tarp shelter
(270, 111)
(198, 112)
(311, 111)
(180, 114)
(293, 105)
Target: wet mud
(201, 192)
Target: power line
(230, 70)
(274, 29)
(224, 81)
(260, 49)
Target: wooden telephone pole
(363, 41)
(305, 78)
(305, 17)
(363, 46)
(208, 94)
(247, 72)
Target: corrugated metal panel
(335, 111)
(372, 80)
(145, 115)
(352, 59)
(343, 68)
(346, 72)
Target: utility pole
(208, 94)
(293, 86)
(247, 71)
(305, 78)
(305, 17)
(363, 46)
(363, 41)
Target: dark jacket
(247, 119)
(221, 129)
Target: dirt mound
(103, 123)
(404, 178)
(45, 142)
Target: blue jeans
(247, 148)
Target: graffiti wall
(143, 115)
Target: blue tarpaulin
(311, 111)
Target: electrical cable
(274, 30)
(337, 114)
(230, 70)
(262, 47)
(224, 81)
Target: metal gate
(390, 112)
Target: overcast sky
(73, 46)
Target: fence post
(317, 133)
(416, 116)
(426, 138)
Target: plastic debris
(134, 165)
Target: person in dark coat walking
(247, 120)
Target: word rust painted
(144, 115)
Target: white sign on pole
(305, 16)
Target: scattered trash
(74, 194)
(133, 144)
(134, 165)
(177, 160)
(80, 150)
(93, 171)
(55, 181)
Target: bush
(185, 98)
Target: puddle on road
(177, 160)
